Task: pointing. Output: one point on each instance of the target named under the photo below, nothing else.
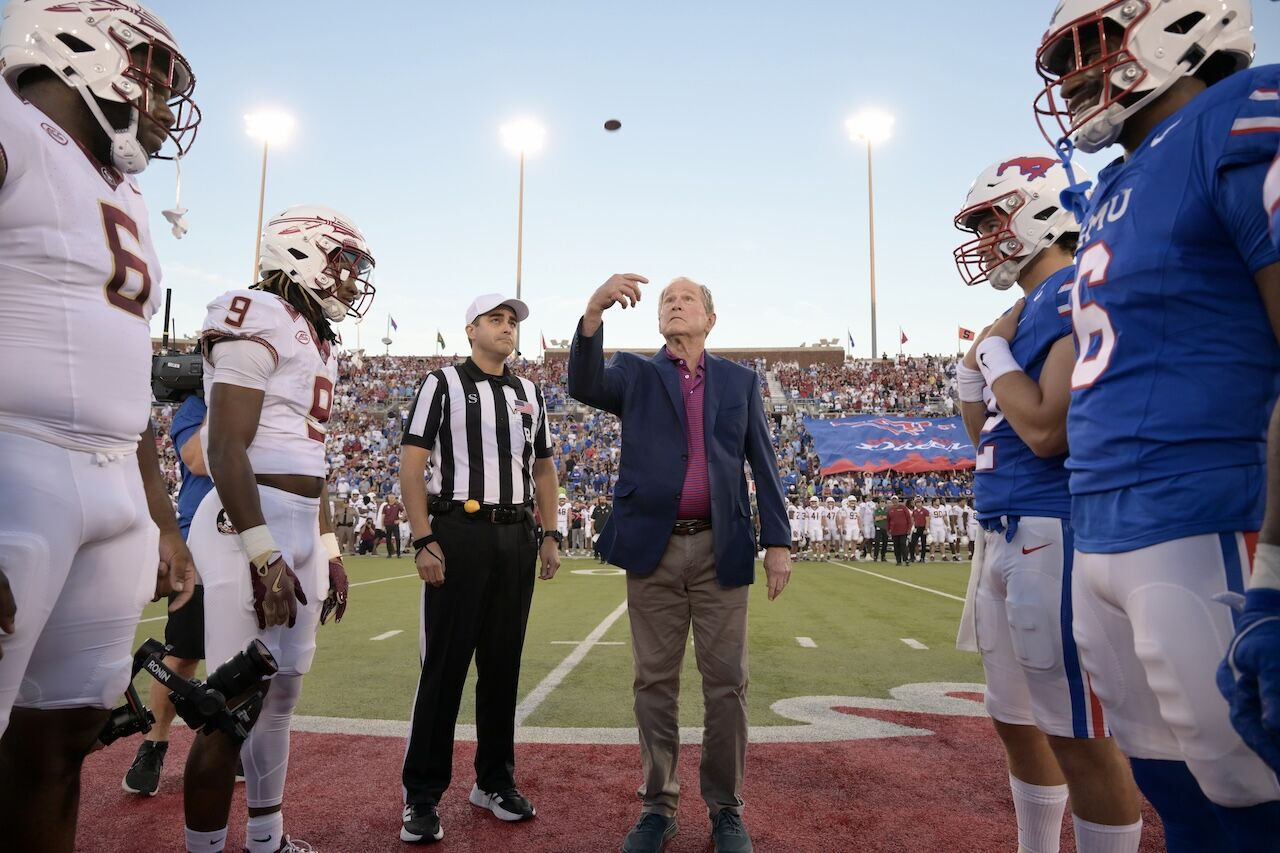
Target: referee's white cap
(485, 303)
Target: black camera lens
(243, 671)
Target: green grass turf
(856, 620)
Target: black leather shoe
(650, 834)
(729, 834)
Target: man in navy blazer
(681, 527)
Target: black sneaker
(728, 833)
(650, 834)
(421, 824)
(144, 775)
(507, 805)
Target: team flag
(902, 335)
(967, 334)
(439, 339)
(395, 326)
(850, 334)
(544, 341)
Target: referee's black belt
(692, 526)
(492, 513)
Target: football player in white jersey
(89, 98)
(562, 521)
(938, 529)
(270, 370)
(795, 516)
(813, 527)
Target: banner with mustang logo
(883, 443)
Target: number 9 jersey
(1176, 364)
(298, 393)
(79, 281)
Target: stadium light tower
(873, 127)
(522, 136)
(270, 126)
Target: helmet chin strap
(177, 215)
(334, 308)
(127, 153)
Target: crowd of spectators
(910, 385)
(374, 393)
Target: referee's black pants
(482, 608)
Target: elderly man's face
(683, 311)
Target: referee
(475, 541)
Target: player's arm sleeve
(426, 413)
(1240, 173)
(242, 362)
(541, 437)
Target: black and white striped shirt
(483, 433)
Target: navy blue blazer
(645, 394)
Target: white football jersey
(562, 517)
(813, 514)
(867, 512)
(79, 281)
(299, 393)
(937, 515)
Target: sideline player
(795, 517)
(82, 494)
(270, 370)
(1175, 276)
(1014, 391)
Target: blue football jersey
(1176, 367)
(1010, 479)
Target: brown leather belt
(692, 526)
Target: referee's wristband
(996, 359)
(424, 541)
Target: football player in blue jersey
(1175, 378)
(1014, 391)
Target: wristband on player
(260, 545)
(970, 383)
(1266, 567)
(423, 541)
(996, 359)
(330, 542)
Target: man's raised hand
(621, 289)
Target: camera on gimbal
(175, 376)
(202, 706)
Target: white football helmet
(1122, 54)
(318, 249)
(88, 45)
(1022, 193)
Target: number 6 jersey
(79, 281)
(299, 391)
(1176, 364)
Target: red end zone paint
(945, 792)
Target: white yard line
(387, 635)
(904, 583)
(915, 644)
(806, 642)
(384, 580)
(153, 619)
(576, 642)
(539, 694)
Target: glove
(336, 601)
(275, 588)
(1249, 677)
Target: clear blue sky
(732, 165)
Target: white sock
(1039, 809)
(264, 833)
(1101, 838)
(206, 842)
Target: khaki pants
(661, 606)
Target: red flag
(967, 334)
(544, 340)
(904, 336)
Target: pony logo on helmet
(1103, 60)
(111, 50)
(1029, 167)
(1014, 210)
(319, 249)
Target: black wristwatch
(553, 534)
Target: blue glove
(1249, 677)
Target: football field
(867, 727)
